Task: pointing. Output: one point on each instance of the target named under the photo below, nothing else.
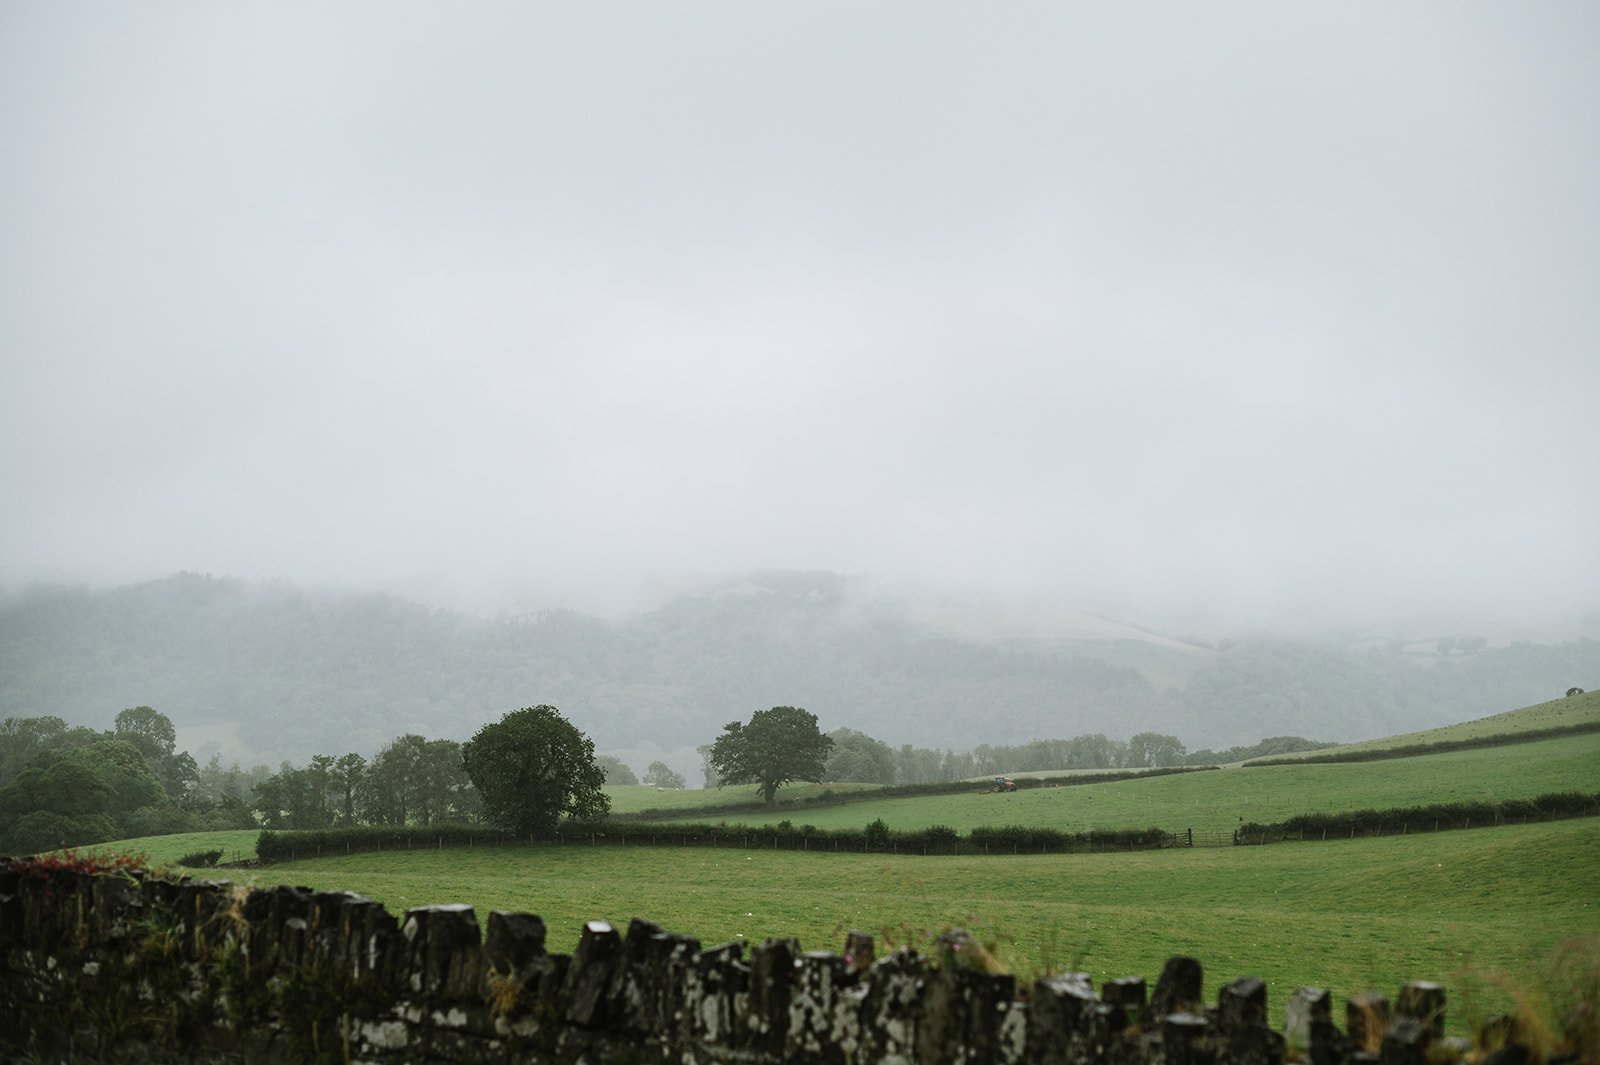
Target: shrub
(200, 859)
(935, 839)
(1016, 838)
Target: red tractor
(1004, 784)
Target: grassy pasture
(1216, 801)
(1557, 713)
(1479, 911)
(166, 850)
(632, 798)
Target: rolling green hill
(1218, 801)
(161, 851)
(632, 798)
(1483, 912)
(1563, 713)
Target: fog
(1262, 312)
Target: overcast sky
(1253, 307)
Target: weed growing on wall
(1557, 1017)
(41, 866)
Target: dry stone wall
(139, 968)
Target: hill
(269, 671)
(1568, 712)
(1216, 802)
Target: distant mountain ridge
(302, 671)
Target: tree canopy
(859, 758)
(615, 769)
(152, 733)
(661, 775)
(775, 747)
(532, 767)
(1153, 749)
(149, 730)
(85, 795)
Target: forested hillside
(307, 671)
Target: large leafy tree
(615, 769)
(860, 758)
(88, 795)
(149, 730)
(773, 748)
(24, 740)
(125, 771)
(444, 793)
(396, 780)
(348, 774)
(153, 734)
(661, 775)
(1153, 749)
(296, 798)
(532, 767)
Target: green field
(1217, 801)
(160, 851)
(1480, 911)
(1557, 713)
(633, 798)
(1469, 909)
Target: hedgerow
(1434, 817)
(200, 859)
(1413, 750)
(276, 846)
(875, 837)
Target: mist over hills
(269, 671)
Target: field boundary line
(905, 791)
(1417, 750)
(877, 838)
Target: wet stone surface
(100, 968)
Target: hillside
(1218, 801)
(1564, 713)
(269, 671)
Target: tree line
(64, 785)
(411, 780)
(856, 757)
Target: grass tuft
(505, 993)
